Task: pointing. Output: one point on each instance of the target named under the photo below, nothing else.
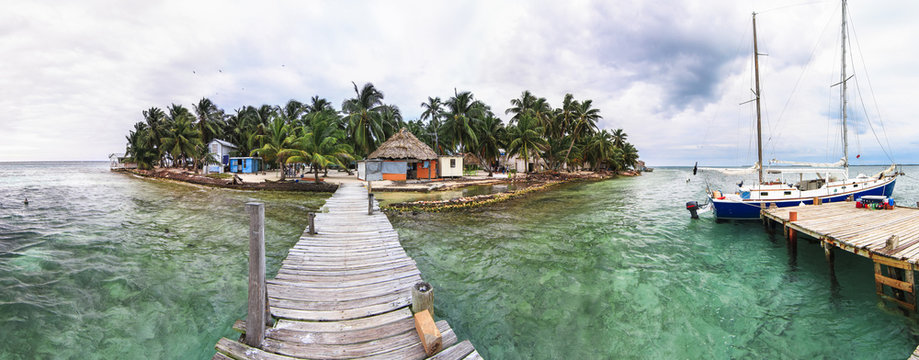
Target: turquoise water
(104, 265)
(616, 269)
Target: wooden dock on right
(890, 238)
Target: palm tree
(433, 109)
(276, 139)
(520, 106)
(619, 138)
(318, 104)
(140, 148)
(463, 112)
(490, 134)
(629, 154)
(156, 122)
(209, 119)
(203, 156)
(585, 122)
(320, 145)
(181, 139)
(600, 150)
(365, 124)
(292, 111)
(525, 139)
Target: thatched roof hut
(403, 145)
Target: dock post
(370, 205)
(792, 235)
(312, 219)
(255, 317)
(423, 297)
(830, 257)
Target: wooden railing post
(370, 204)
(255, 318)
(423, 297)
(312, 220)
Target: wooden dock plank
(344, 292)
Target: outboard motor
(693, 207)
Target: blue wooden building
(245, 165)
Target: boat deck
(345, 293)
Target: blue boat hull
(749, 210)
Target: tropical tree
(525, 138)
(276, 139)
(585, 122)
(490, 133)
(181, 138)
(157, 125)
(619, 138)
(318, 104)
(209, 119)
(365, 124)
(463, 112)
(140, 149)
(320, 145)
(520, 107)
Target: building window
(452, 163)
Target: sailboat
(790, 188)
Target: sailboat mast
(759, 124)
(845, 130)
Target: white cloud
(78, 75)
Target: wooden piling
(258, 292)
(312, 221)
(370, 204)
(830, 256)
(423, 297)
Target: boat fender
(693, 207)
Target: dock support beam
(258, 292)
(830, 257)
(370, 204)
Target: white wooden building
(450, 166)
(221, 150)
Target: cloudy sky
(76, 75)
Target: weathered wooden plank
(894, 283)
(474, 355)
(455, 352)
(339, 314)
(415, 351)
(337, 337)
(891, 262)
(327, 351)
(221, 356)
(346, 325)
(239, 351)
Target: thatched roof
(403, 145)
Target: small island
(313, 146)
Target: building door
(412, 171)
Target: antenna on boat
(759, 126)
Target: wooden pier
(345, 291)
(890, 238)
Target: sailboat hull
(727, 209)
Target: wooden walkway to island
(345, 293)
(890, 238)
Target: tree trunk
(282, 169)
(316, 173)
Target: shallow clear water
(104, 265)
(616, 269)
(611, 269)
